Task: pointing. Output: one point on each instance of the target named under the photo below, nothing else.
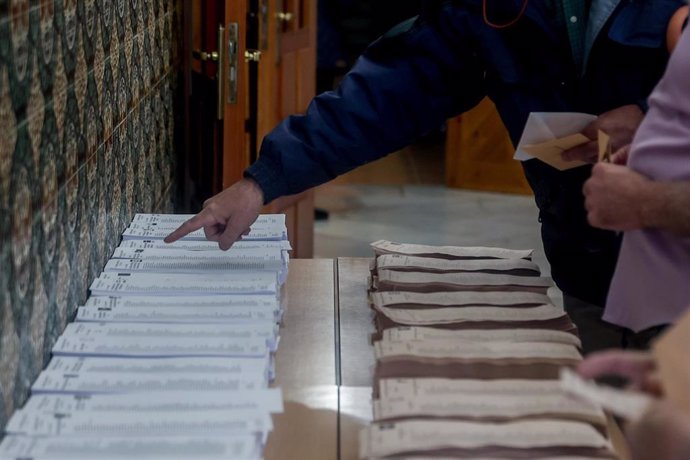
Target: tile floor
(426, 214)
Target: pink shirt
(651, 285)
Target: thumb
(621, 156)
(585, 152)
(231, 234)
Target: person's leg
(642, 340)
(595, 333)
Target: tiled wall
(88, 90)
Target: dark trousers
(597, 334)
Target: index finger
(632, 365)
(197, 222)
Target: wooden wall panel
(479, 153)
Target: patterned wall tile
(88, 116)
(22, 232)
(19, 54)
(49, 148)
(46, 37)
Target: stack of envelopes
(170, 357)
(468, 350)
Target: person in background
(597, 56)
(646, 194)
(663, 431)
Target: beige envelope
(550, 152)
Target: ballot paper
(93, 424)
(170, 357)
(490, 407)
(165, 314)
(227, 301)
(462, 439)
(267, 332)
(477, 351)
(74, 365)
(382, 247)
(545, 127)
(417, 300)
(108, 382)
(152, 347)
(409, 387)
(266, 259)
(417, 334)
(627, 404)
(193, 266)
(122, 284)
(179, 219)
(267, 400)
(392, 280)
(448, 315)
(204, 246)
(173, 221)
(179, 447)
(147, 232)
(520, 267)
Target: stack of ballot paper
(171, 357)
(468, 350)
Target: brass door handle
(205, 55)
(285, 16)
(252, 56)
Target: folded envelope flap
(550, 152)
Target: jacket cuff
(268, 177)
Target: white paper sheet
(267, 331)
(269, 400)
(142, 424)
(230, 301)
(547, 126)
(142, 218)
(153, 347)
(181, 447)
(121, 284)
(108, 382)
(627, 404)
(74, 365)
(164, 314)
(204, 246)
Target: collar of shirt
(583, 20)
(599, 13)
(575, 13)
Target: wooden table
(325, 362)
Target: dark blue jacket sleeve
(407, 83)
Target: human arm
(405, 85)
(662, 433)
(638, 367)
(618, 198)
(225, 216)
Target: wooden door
(220, 86)
(250, 64)
(287, 82)
(479, 153)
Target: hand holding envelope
(568, 140)
(548, 134)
